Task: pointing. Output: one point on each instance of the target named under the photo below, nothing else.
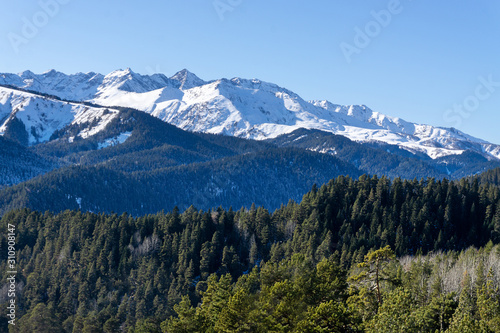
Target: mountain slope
(387, 160)
(129, 133)
(18, 164)
(30, 118)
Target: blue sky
(424, 61)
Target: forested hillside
(296, 269)
(267, 178)
(389, 160)
(18, 164)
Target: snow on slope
(260, 110)
(245, 108)
(121, 138)
(43, 116)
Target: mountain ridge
(247, 108)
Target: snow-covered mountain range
(237, 107)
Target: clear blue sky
(417, 66)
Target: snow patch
(114, 141)
(300, 137)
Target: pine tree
(374, 270)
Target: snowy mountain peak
(128, 80)
(187, 80)
(27, 74)
(50, 72)
(181, 74)
(120, 73)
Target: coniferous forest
(231, 166)
(365, 255)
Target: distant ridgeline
(258, 271)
